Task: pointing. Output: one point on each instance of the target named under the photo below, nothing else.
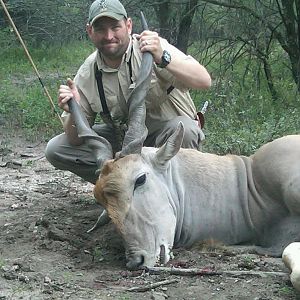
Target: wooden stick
(151, 286)
(207, 272)
(179, 271)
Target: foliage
(286, 290)
(254, 97)
(43, 20)
(242, 114)
(258, 24)
(23, 101)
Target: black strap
(98, 75)
(130, 68)
(105, 114)
(170, 89)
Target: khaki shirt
(117, 88)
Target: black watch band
(165, 59)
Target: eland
(173, 197)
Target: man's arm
(185, 68)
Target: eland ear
(170, 148)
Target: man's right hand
(66, 92)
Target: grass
(286, 291)
(98, 254)
(124, 297)
(2, 262)
(23, 101)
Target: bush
(48, 21)
(23, 101)
(242, 115)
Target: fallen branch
(151, 286)
(180, 271)
(208, 272)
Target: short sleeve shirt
(118, 85)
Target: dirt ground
(46, 253)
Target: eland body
(172, 197)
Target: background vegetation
(251, 49)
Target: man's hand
(66, 92)
(184, 68)
(149, 41)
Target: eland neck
(210, 197)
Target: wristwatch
(165, 59)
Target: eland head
(133, 192)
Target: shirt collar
(128, 52)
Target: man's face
(111, 37)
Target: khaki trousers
(80, 160)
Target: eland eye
(140, 181)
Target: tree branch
(151, 286)
(277, 34)
(208, 272)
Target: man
(105, 80)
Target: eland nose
(135, 262)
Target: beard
(113, 49)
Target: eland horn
(101, 148)
(137, 130)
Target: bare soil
(46, 252)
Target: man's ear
(89, 29)
(129, 25)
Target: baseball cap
(106, 8)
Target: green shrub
(23, 101)
(242, 115)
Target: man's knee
(57, 152)
(76, 159)
(193, 135)
(51, 150)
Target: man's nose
(109, 34)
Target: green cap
(106, 8)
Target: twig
(207, 272)
(151, 286)
(182, 272)
(38, 157)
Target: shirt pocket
(156, 95)
(114, 108)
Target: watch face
(165, 59)
(166, 56)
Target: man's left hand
(150, 41)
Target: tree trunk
(185, 25)
(269, 77)
(164, 15)
(166, 12)
(291, 20)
